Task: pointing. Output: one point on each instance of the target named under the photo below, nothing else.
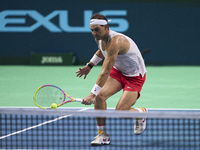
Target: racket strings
(48, 95)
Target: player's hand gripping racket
(48, 94)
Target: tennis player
(123, 68)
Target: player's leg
(128, 99)
(111, 87)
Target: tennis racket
(48, 94)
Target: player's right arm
(98, 56)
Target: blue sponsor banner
(14, 24)
(171, 30)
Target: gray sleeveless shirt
(130, 64)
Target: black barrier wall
(170, 29)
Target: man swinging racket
(123, 68)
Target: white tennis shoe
(140, 123)
(101, 139)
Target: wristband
(89, 65)
(95, 59)
(96, 89)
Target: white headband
(99, 21)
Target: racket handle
(80, 100)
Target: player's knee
(100, 97)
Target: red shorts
(128, 83)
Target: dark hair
(99, 16)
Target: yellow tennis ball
(53, 106)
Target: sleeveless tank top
(130, 64)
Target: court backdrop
(170, 29)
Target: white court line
(41, 124)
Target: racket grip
(80, 100)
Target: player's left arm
(112, 49)
(112, 52)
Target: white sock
(102, 128)
(140, 110)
